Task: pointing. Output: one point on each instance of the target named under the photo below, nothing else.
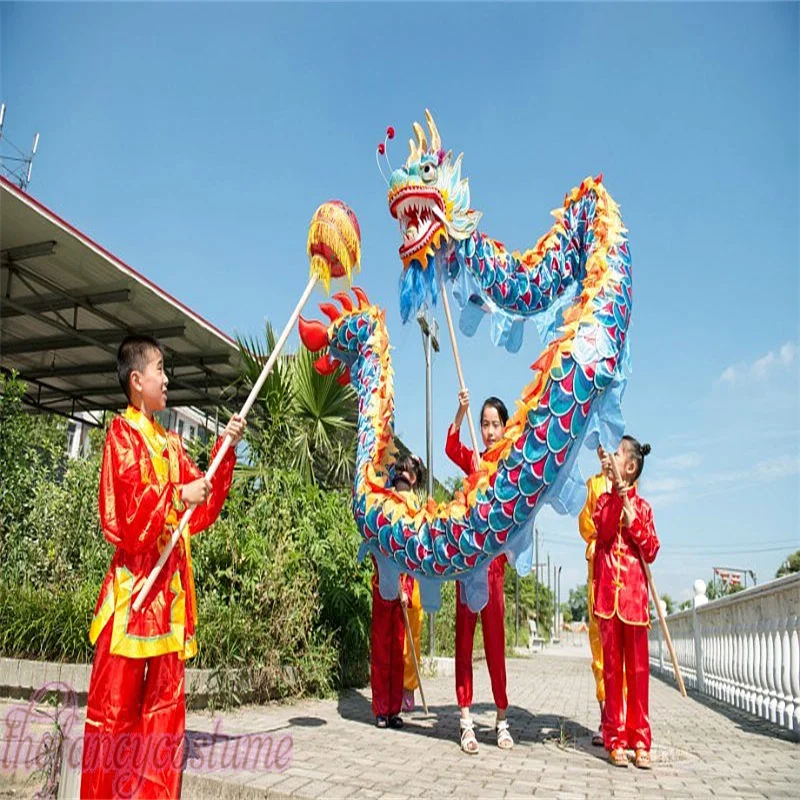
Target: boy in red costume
(388, 629)
(135, 718)
(625, 535)
(494, 417)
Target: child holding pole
(135, 716)
(626, 537)
(494, 417)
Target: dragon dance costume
(492, 614)
(135, 720)
(621, 606)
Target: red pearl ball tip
(381, 148)
(390, 132)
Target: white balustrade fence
(743, 649)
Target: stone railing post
(794, 657)
(700, 599)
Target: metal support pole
(427, 324)
(549, 593)
(536, 584)
(558, 601)
(516, 609)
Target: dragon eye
(428, 173)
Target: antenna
(18, 167)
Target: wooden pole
(653, 593)
(273, 357)
(462, 385)
(414, 656)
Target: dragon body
(578, 279)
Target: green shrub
(283, 606)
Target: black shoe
(381, 721)
(395, 722)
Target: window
(180, 427)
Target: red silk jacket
(620, 585)
(143, 471)
(463, 457)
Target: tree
(669, 603)
(717, 588)
(302, 419)
(790, 565)
(578, 603)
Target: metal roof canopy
(66, 303)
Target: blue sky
(195, 141)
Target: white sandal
(469, 744)
(504, 740)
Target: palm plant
(302, 419)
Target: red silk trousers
(625, 661)
(494, 640)
(135, 723)
(387, 637)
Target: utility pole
(516, 609)
(558, 601)
(536, 583)
(430, 342)
(549, 593)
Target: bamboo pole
(414, 656)
(273, 357)
(446, 303)
(653, 592)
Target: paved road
(332, 749)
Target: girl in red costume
(494, 417)
(135, 716)
(626, 535)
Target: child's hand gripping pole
(446, 303)
(273, 357)
(653, 593)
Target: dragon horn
(414, 153)
(423, 142)
(436, 142)
(330, 311)
(344, 299)
(344, 378)
(325, 365)
(313, 334)
(363, 300)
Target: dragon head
(430, 201)
(350, 326)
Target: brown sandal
(643, 760)
(618, 757)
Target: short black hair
(132, 354)
(498, 405)
(409, 463)
(638, 452)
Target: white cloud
(682, 461)
(761, 367)
(658, 485)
